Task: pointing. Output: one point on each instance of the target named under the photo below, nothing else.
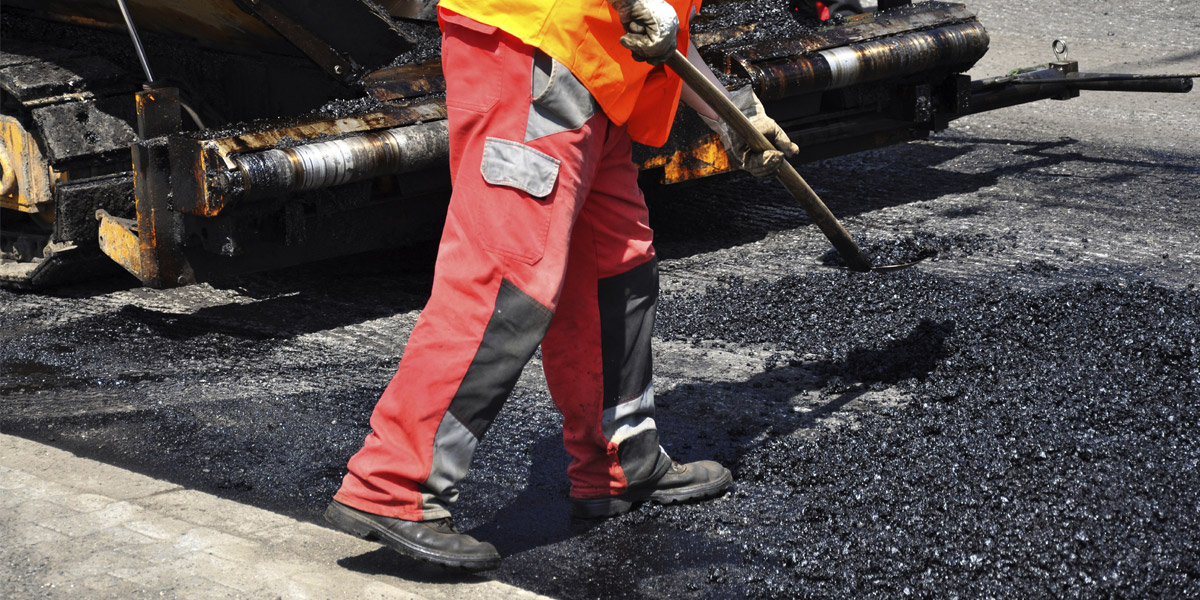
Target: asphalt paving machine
(187, 139)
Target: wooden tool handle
(787, 175)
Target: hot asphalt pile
(1050, 447)
(1044, 443)
(1043, 439)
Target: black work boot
(434, 541)
(681, 483)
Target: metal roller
(277, 172)
(886, 58)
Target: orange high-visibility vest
(584, 36)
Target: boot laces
(443, 525)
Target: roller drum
(280, 171)
(956, 46)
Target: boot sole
(603, 508)
(345, 519)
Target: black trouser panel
(517, 326)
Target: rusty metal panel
(163, 264)
(26, 183)
(158, 258)
(119, 241)
(158, 112)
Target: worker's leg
(520, 177)
(597, 355)
(597, 352)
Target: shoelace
(443, 525)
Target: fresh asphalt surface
(1014, 416)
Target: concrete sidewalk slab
(77, 528)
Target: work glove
(759, 164)
(651, 28)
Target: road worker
(547, 242)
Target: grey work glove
(759, 164)
(651, 27)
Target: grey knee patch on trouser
(560, 101)
(517, 326)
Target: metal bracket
(150, 247)
(119, 241)
(1066, 68)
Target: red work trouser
(546, 241)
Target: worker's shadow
(534, 526)
(723, 420)
(763, 407)
(532, 515)
(538, 515)
(385, 561)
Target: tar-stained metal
(399, 150)
(953, 47)
(77, 201)
(75, 130)
(68, 78)
(406, 81)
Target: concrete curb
(77, 528)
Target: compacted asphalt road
(1015, 416)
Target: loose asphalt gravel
(1013, 416)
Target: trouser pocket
(514, 220)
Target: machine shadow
(308, 299)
